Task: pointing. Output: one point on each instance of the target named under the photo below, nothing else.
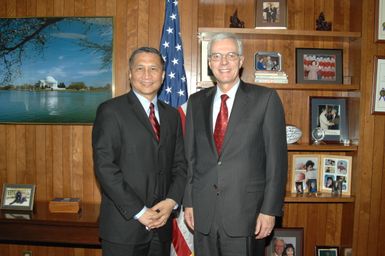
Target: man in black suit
(236, 182)
(141, 170)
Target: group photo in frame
(285, 241)
(380, 21)
(271, 14)
(318, 66)
(327, 251)
(268, 61)
(335, 174)
(58, 71)
(305, 174)
(378, 95)
(329, 114)
(18, 197)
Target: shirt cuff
(139, 214)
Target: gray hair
(222, 36)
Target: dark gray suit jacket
(133, 169)
(250, 175)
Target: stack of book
(271, 77)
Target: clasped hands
(157, 216)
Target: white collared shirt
(146, 104)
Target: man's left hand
(164, 209)
(264, 226)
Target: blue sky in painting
(65, 60)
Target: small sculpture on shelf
(322, 24)
(337, 187)
(235, 22)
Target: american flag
(174, 89)
(174, 92)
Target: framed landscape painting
(55, 70)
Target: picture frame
(347, 251)
(380, 21)
(319, 66)
(305, 173)
(330, 114)
(285, 239)
(268, 61)
(326, 251)
(271, 14)
(378, 91)
(18, 197)
(334, 168)
(60, 65)
(207, 77)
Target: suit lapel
(207, 113)
(164, 128)
(237, 112)
(140, 113)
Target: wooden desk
(55, 229)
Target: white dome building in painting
(49, 83)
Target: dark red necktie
(154, 122)
(221, 124)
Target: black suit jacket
(249, 176)
(133, 169)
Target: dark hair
(145, 50)
(309, 163)
(287, 247)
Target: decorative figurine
(337, 187)
(322, 24)
(318, 135)
(235, 22)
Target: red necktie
(221, 124)
(154, 122)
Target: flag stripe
(178, 241)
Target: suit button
(215, 186)
(219, 163)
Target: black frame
(290, 234)
(261, 20)
(340, 130)
(326, 72)
(321, 250)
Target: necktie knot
(224, 97)
(154, 122)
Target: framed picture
(305, 174)
(380, 21)
(268, 61)
(335, 168)
(326, 251)
(285, 241)
(378, 95)
(207, 77)
(271, 14)
(319, 66)
(330, 114)
(18, 197)
(57, 66)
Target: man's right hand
(189, 217)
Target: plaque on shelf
(64, 205)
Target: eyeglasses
(230, 56)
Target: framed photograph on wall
(58, 71)
(207, 77)
(319, 66)
(326, 251)
(271, 14)
(380, 21)
(330, 114)
(335, 168)
(268, 61)
(378, 95)
(18, 197)
(305, 174)
(285, 240)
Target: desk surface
(41, 226)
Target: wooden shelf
(280, 34)
(318, 198)
(322, 147)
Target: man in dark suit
(237, 175)
(139, 164)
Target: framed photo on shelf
(288, 239)
(330, 114)
(380, 21)
(207, 77)
(335, 168)
(378, 95)
(18, 197)
(319, 66)
(268, 61)
(326, 251)
(305, 174)
(271, 14)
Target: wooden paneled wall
(58, 158)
